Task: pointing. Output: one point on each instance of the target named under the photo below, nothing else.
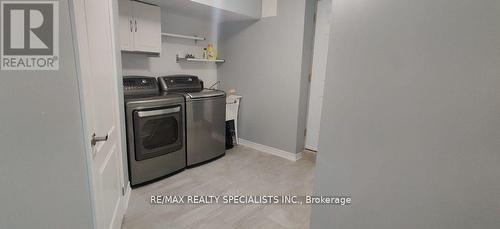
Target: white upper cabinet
(140, 27)
(126, 26)
(147, 23)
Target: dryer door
(157, 132)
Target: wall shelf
(181, 59)
(195, 38)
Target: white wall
(140, 64)
(269, 8)
(411, 116)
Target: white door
(97, 69)
(147, 27)
(126, 25)
(318, 73)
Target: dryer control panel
(140, 85)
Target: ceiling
(201, 11)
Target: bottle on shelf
(205, 53)
(211, 52)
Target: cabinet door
(126, 25)
(147, 27)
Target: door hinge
(314, 19)
(123, 191)
(305, 132)
(310, 77)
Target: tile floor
(243, 171)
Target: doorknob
(96, 139)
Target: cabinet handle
(135, 25)
(131, 27)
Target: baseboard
(271, 150)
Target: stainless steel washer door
(205, 121)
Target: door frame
(75, 9)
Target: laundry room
(200, 83)
(249, 114)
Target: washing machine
(205, 117)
